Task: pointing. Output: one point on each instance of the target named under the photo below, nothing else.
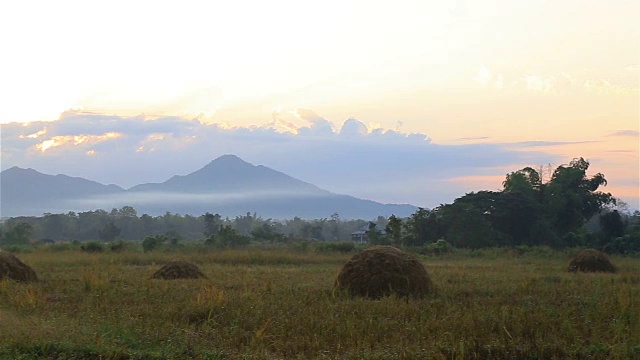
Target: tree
(335, 226)
(211, 224)
(571, 198)
(19, 234)
(465, 224)
(375, 236)
(421, 228)
(612, 225)
(394, 230)
(109, 232)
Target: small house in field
(360, 235)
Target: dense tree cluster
(527, 211)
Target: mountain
(229, 173)
(228, 185)
(28, 192)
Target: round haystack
(11, 267)
(179, 270)
(383, 270)
(591, 260)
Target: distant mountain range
(227, 185)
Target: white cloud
(351, 159)
(603, 87)
(483, 76)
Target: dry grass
(591, 260)
(381, 271)
(179, 269)
(12, 268)
(282, 306)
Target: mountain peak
(228, 161)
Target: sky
(407, 102)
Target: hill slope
(228, 185)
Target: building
(360, 235)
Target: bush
(92, 247)
(151, 243)
(343, 247)
(117, 246)
(627, 245)
(437, 248)
(227, 237)
(60, 247)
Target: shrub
(92, 247)
(227, 237)
(437, 248)
(117, 246)
(151, 243)
(628, 244)
(343, 247)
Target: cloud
(318, 125)
(486, 77)
(353, 128)
(352, 158)
(603, 87)
(548, 85)
(473, 138)
(631, 133)
(526, 144)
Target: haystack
(591, 260)
(179, 270)
(11, 267)
(383, 270)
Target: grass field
(270, 304)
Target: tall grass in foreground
(280, 304)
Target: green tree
(211, 224)
(466, 225)
(109, 232)
(571, 198)
(421, 227)
(394, 230)
(19, 234)
(612, 225)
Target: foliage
(151, 243)
(330, 246)
(19, 234)
(92, 247)
(109, 232)
(118, 246)
(526, 212)
(376, 236)
(627, 244)
(211, 224)
(440, 247)
(394, 230)
(227, 237)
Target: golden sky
(459, 71)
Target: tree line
(126, 224)
(565, 210)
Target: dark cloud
(383, 165)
